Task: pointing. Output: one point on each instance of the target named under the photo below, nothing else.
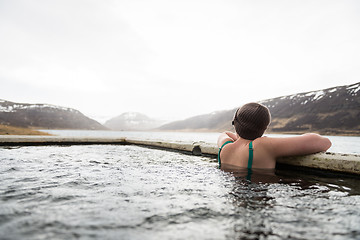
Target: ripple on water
(131, 192)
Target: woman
(247, 147)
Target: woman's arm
(300, 145)
(226, 136)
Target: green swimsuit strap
(251, 155)
(220, 151)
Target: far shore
(327, 132)
(11, 130)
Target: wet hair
(251, 120)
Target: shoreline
(325, 133)
(6, 130)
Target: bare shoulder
(297, 145)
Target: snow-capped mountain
(213, 121)
(348, 96)
(132, 121)
(44, 116)
(329, 111)
(332, 110)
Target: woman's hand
(226, 136)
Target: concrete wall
(346, 163)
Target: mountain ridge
(132, 121)
(334, 110)
(45, 116)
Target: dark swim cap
(251, 120)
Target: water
(340, 144)
(132, 192)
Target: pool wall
(346, 163)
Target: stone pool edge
(345, 163)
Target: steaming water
(132, 192)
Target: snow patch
(5, 109)
(354, 89)
(318, 95)
(15, 107)
(332, 90)
(354, 86)
(305, 102)
(315, 95)
(130, 115)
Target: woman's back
(239, 154)
(266, 149)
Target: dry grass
(281, 122)
(10, 130)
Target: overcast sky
(173, 59)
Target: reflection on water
(131, 192)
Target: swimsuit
(251, 154)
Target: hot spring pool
(132, 192)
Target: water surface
(132, 192)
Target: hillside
(132, 121)
(206, 122)
(334, 111)
(329, 111)
(9, 130)
(44, 116)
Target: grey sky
(173, 59)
